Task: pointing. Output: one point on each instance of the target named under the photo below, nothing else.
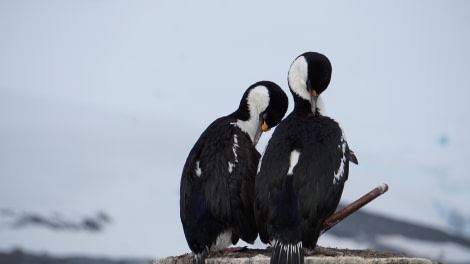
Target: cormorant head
(262, 107)
(309, 75)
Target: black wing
(322, 157)
(204, 207)
(272, 171)
(216, 182)
(320, 175)
(242, 185)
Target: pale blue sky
(102, 100)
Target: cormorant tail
(200, 258)
(285, 253)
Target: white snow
(449, 251)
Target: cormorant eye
(309, 85)
(265, 115)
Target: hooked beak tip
(265, 127)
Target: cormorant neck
(302, 106)
(250, 126)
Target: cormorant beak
(313, 101)
(265, 127)
(313, 97)
(257, 136)
(262, 127)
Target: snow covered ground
(100, 102)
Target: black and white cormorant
(217, 183)
(304, 167)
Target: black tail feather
(284, 253)
(352, 157)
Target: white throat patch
(258, 101)
(321, 106)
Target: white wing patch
(294, 159)
(340, 171)
(198, 169)
(235, 146)
(230, 166)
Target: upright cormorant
(304, 167)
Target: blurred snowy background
(101, 101)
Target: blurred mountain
(394, 235)
(16, 219)
(20, 257)
(363, 229)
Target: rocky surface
(321, 255)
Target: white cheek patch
(294, 159)
(258, 100)
(297, 78)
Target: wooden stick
(353, 207)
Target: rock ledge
(321, 256)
